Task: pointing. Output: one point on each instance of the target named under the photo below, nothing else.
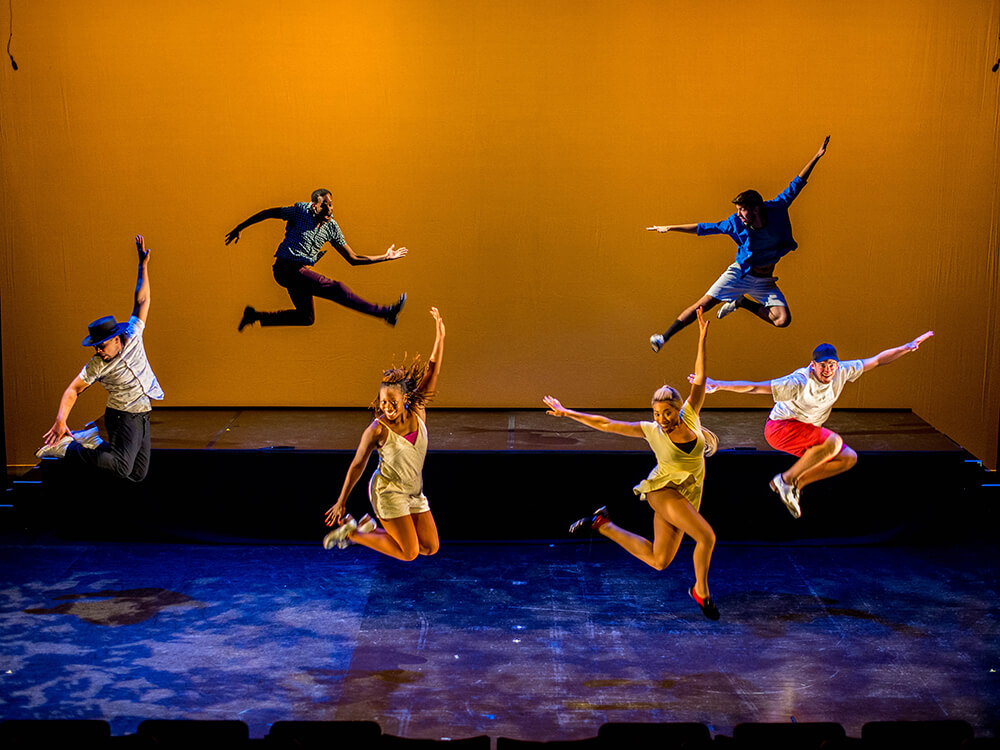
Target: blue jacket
(765, 246)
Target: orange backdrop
(518, 149)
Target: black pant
(126, 453)
(303, 283)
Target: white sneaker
(728, 306)
(365, 526)
(57, 449)
(657, 341)
(339, 534)
(88, 438)
(788, 493)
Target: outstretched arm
(268, 213)
(428, 383)
(594, 421)
(736, 386)
(393, 253)
(60, 429)
(808, 168)
(697, 396)
(663, 229)
(369, 441)
(891, 355)
(140, 308)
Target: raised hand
(702, 323)
(140, 246)
(393, 252)
(822, 149)
(233, 236)
(438, 321)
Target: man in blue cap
(120, 365)
(803, 402)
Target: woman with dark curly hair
(399, 435)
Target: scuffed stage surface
(529, 641)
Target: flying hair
(408, 379)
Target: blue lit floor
(523, 641)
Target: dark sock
(674, 328)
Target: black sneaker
(708, 607)
(249, 318)
(594, 521)
(395, 309)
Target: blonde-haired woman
(673, 488)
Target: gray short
(732, 285)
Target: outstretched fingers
(555, 408)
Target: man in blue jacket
(763, 232)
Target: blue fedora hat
(103, 329)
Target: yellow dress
(675, 469)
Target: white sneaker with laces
(365, 526)
(656, 341)
(90, 438)
(56, 450)
(339, 534)
(788, 493)
(727, 307)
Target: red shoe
(595, 521)
(708, 607)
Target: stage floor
(531, 641)
(510, 430)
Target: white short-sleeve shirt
(128, 378)
(802, 397)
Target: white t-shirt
(128, 378)
(802, 397)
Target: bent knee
(430, 550)
(781, 319)
(661, 563)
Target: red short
(792, 436)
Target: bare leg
(427, 533)
(673, 518)
(397, 538)
(842, 462)
(687, 317)
(814, 457)
(657, 554)
(680, 514)
(777, 315)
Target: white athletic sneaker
(88, 438)
(365, 526)
(339, 534)
(788, 493)
(56, 450)
(727, 307)
(656, 341)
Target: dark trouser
(302, 284)
(126, 453)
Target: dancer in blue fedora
(120, 365)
